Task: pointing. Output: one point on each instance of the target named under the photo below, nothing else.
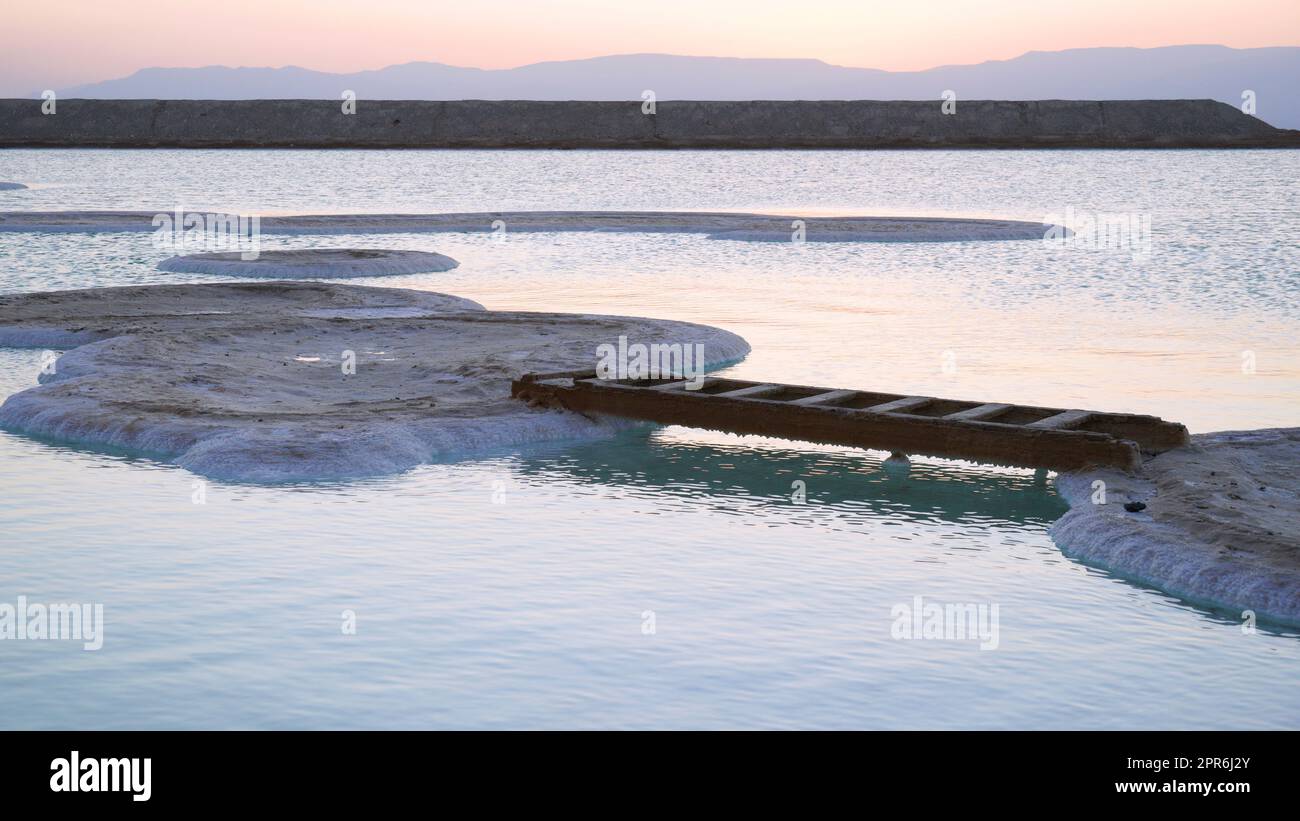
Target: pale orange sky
(55, 43)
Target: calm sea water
(519, 588)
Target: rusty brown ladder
(993, 432)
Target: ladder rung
(753, 391)
(905, 404)
(824, 398)
(986, 411)
(672, 386)
(1063, 421)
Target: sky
(57, 43)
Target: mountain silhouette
(1172, 72)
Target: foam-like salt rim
(235, 449)
(1153, 553)
(239, 454)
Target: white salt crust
(247, 381)
(1221, 527)
(725, 226)
(315, 263)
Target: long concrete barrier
(673, 124)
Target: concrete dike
(674, 124)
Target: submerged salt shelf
(1218, 526)
(729, 226)
(318, 263)
(302, 381)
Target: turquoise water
(510, 589)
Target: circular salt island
(12, 186)
(314, 263)
(311, 381)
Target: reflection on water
(746, 473)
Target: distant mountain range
(1173, 72)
